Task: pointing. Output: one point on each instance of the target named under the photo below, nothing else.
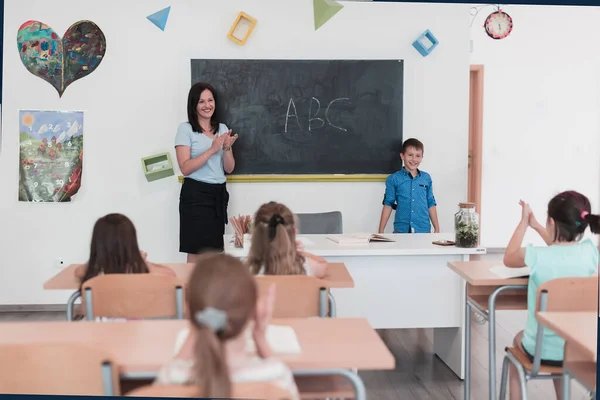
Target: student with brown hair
(223, 305)
(274, 249)
(566, 255)
(114, 250)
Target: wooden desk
(140, 348)
(401, 284)
(579, 330)
(337, 276)
(485, 292)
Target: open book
(281, 338)
(359, 238)
(507, 273)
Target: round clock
(498, 25)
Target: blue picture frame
(426, 43)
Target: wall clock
(498, 25)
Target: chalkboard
(309, 116)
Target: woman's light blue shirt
(212, 171)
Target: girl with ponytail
(569, 215)
(274, 249)
(223, 305)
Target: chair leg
(520, 372)
(504, 380)
(566, 385)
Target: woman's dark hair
(192, 104)
(220, 284)
(571, 212)
(114, 248)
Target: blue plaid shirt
(413, 197)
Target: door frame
(475, 136)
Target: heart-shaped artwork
(61, 62)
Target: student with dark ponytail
(223, 305)
(274, 249)
(569, 215)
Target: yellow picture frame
(242, 16)
(304, 178)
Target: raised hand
(264, 310)
(229, 139)
(526, 212)
(217, 143)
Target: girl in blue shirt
(569, 215)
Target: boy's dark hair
(570, 211)
(412, 142)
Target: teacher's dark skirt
(202, 216)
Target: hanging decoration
(60, 62)
(498, 25)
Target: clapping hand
(229, 139)
(262, 317)
(217, 143)
(527, 216)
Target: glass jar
(466, 226)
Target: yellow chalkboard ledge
(304, 178)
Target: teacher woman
(203, 147)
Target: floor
(419, 374)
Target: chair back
(57, 369)
(568, 294)
(562, 295)
(296, 296)
(246, 390)
(133, 296)
(320, 223)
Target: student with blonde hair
(274, 249)
(224, 305)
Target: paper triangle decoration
(324, 10)
(159, 18)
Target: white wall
(541, 132)
(134, 101)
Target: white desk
(403, 284)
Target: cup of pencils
(242, 224)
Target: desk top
(478, 273)
(575, 327)
(414, 244)
(337, 276)
(144, 346)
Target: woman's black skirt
(202, 216)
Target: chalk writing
(313, 117)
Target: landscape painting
(50, 155)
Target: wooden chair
(297, 296)
(130, 296)
(57, 369)
(562, 294)
(247, 390)
(300, 296)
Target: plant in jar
(466, 224)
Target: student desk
(140, 348)
(401, 284)
(485, 293)
(579, 330)
(337, 276)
